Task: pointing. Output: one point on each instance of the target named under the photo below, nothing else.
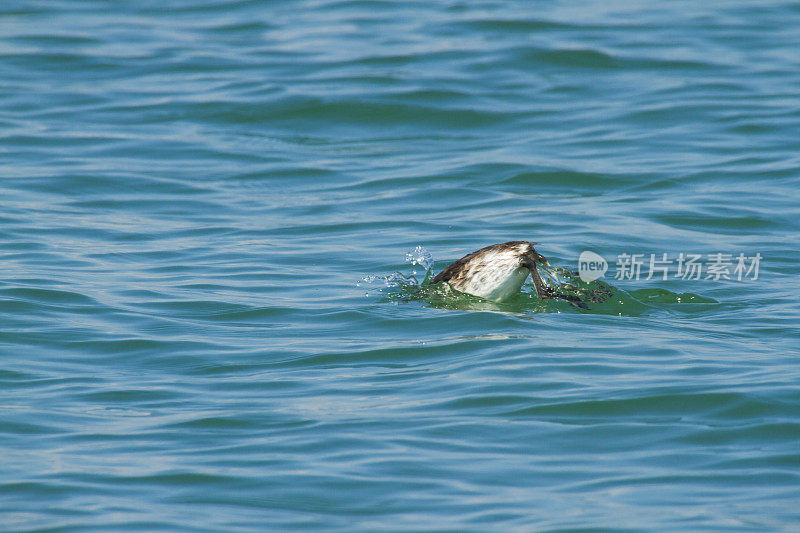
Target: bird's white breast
(496, 283)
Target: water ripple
(190, 197)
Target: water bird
(497, 272)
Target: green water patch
(570, 293)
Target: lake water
(205, 214)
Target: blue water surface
(203, 205)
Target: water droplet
(420, 256)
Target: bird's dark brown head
(531, 257)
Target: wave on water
(571, 293)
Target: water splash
(555, 276)
(420, 256)
(397, 280)
(569, 286)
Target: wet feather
(495, 272)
